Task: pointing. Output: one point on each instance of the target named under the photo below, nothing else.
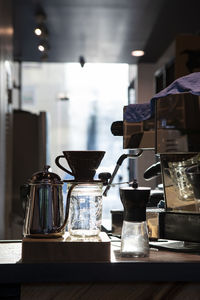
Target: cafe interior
(99, 149)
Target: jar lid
(84, 181)
(45, 177)
(140, 189)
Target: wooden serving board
(66, 249)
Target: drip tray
(176, 246)
(66, 249)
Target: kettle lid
(45, 177)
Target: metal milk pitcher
(44, 215)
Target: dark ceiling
(103, 30)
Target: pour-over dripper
(83, 164)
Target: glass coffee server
(84, 196)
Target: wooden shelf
(175, 267)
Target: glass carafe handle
(60, 166)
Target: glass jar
(134, 239)
(85, 210)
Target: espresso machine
(177, 143)
(173, 131)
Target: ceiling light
(41, 30)
(43, 45)
(38, 31)
(137, 53)
(41, 48)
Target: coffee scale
(174, 133)
(45, 237)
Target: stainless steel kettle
(44, 215)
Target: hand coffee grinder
(134, 234)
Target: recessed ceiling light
(41, 48)
(38, 31)
(43, 45)
(41, 30)
(137, 53)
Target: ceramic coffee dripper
(83, 164)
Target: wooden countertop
(160, 266)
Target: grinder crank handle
(119, 162)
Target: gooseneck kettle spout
(62, 227)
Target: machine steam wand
(118, 164)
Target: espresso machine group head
(173, 132)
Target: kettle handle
(60, 166)
(67, 207)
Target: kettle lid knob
(46, 177)
(46, 168)
(135, 184)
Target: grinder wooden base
(66, 249)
